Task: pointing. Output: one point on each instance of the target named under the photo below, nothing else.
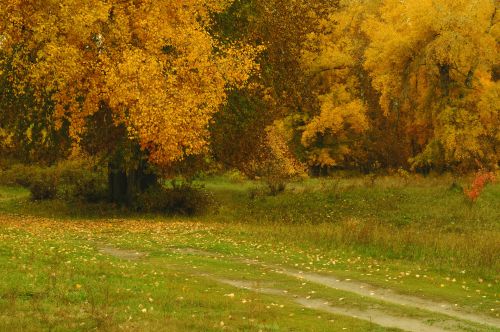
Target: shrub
(268, 187)
(480, 181)
(90, 188)
(256, 192)
(275, 185)
(75, 179)
(21, 175)
(6, 163)
(44, 186)
(404, 175)
(183, 199)
(81, 180)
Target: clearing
(129, 272)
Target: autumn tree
(347, 127)
(332, 60)
(433, 62)
(144, 77)
(404, 82)
(280, 95)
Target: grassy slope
(418, 238)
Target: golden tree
(400, 81)
(153, 66)
(433, 61)
(333, 60)
(153, 63)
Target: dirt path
(378, 317)
(121, 253)
(388, 295)
(374, 316)
(362, 289)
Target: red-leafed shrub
(480, 181)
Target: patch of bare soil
(121, 253)
(197, 252)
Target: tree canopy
(153, 64)
(348, 84)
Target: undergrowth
(424, 220)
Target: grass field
(356, 254)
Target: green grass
(55, 279)
(417, 236)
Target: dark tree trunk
(117, 183)
(125, 186)
(495, 73)
(319, 171)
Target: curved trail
(375, 316)
(388, 295)
(362, 289)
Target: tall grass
(420, 219)
(426, 220)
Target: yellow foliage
(154, 64)
(432, 60)
(335, 120)
(332, 58)
(6, 139)
(277, 139)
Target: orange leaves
(427, 60)
(480, 181)
(238, 63)
(171, 97)
(152, 63)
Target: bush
(69, 180)
(19, 174)
(44, 186)
(275, 185)
(183, 199)
(91, 188)
(81, 180)
(269, 187)
(6, 163)
(480, 181)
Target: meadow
(251, 165)
(334, 254)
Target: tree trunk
(117, 183)
(125, 186)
